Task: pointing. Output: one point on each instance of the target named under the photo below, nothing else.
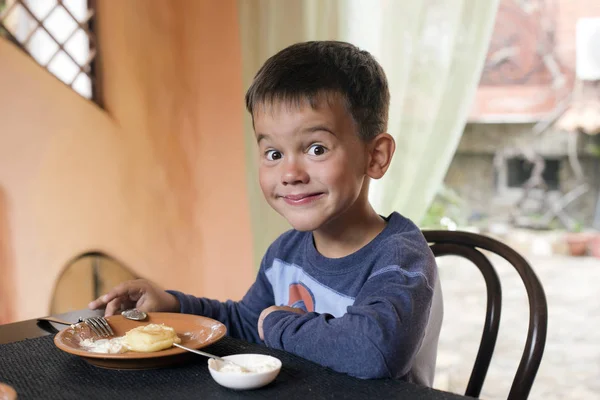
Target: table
(31, 364)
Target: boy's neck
(349, 233)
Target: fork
(98, 325)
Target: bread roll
(150, 338)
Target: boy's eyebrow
(316, 128)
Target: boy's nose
(293, 173)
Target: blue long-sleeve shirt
(367, 314)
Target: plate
(195, 331)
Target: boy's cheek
(265, 182)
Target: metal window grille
(59, 35)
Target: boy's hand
(269, 310)
(139, 293)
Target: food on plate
(150, 338)
(107, 346)
(144, 339)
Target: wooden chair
(468, 245)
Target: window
(519, 172)
(58, 34)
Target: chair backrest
(85, 278)
(468, 245)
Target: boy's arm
(240, 317)
(378, 337)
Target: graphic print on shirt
(293, 287)
(301, 297)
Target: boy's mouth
(301, 198)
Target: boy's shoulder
(400, 239)
(403, 243)
(405, 233)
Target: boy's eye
(316, 150)
(272, 155)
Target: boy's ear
(381, 149)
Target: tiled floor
(570, 368)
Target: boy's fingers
(113, 306)
(95, 304)
(102, 300)
(125, 290)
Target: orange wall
(157, 181)
(6, 259)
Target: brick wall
(516, 83)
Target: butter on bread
(150, 338)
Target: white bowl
(269, 369)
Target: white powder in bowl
(263, 367)
(229, 367)
(252, 365)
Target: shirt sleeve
(240, 317)
(378, 337)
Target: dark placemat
(39, 370)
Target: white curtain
(432, 51)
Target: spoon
(138, 315)
(134, 314)
(202, 353)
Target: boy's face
(312, 162)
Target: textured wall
(157, 181)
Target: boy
(345, 288)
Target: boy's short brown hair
(313, 70)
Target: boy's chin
(304, 227)
(304, 224)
